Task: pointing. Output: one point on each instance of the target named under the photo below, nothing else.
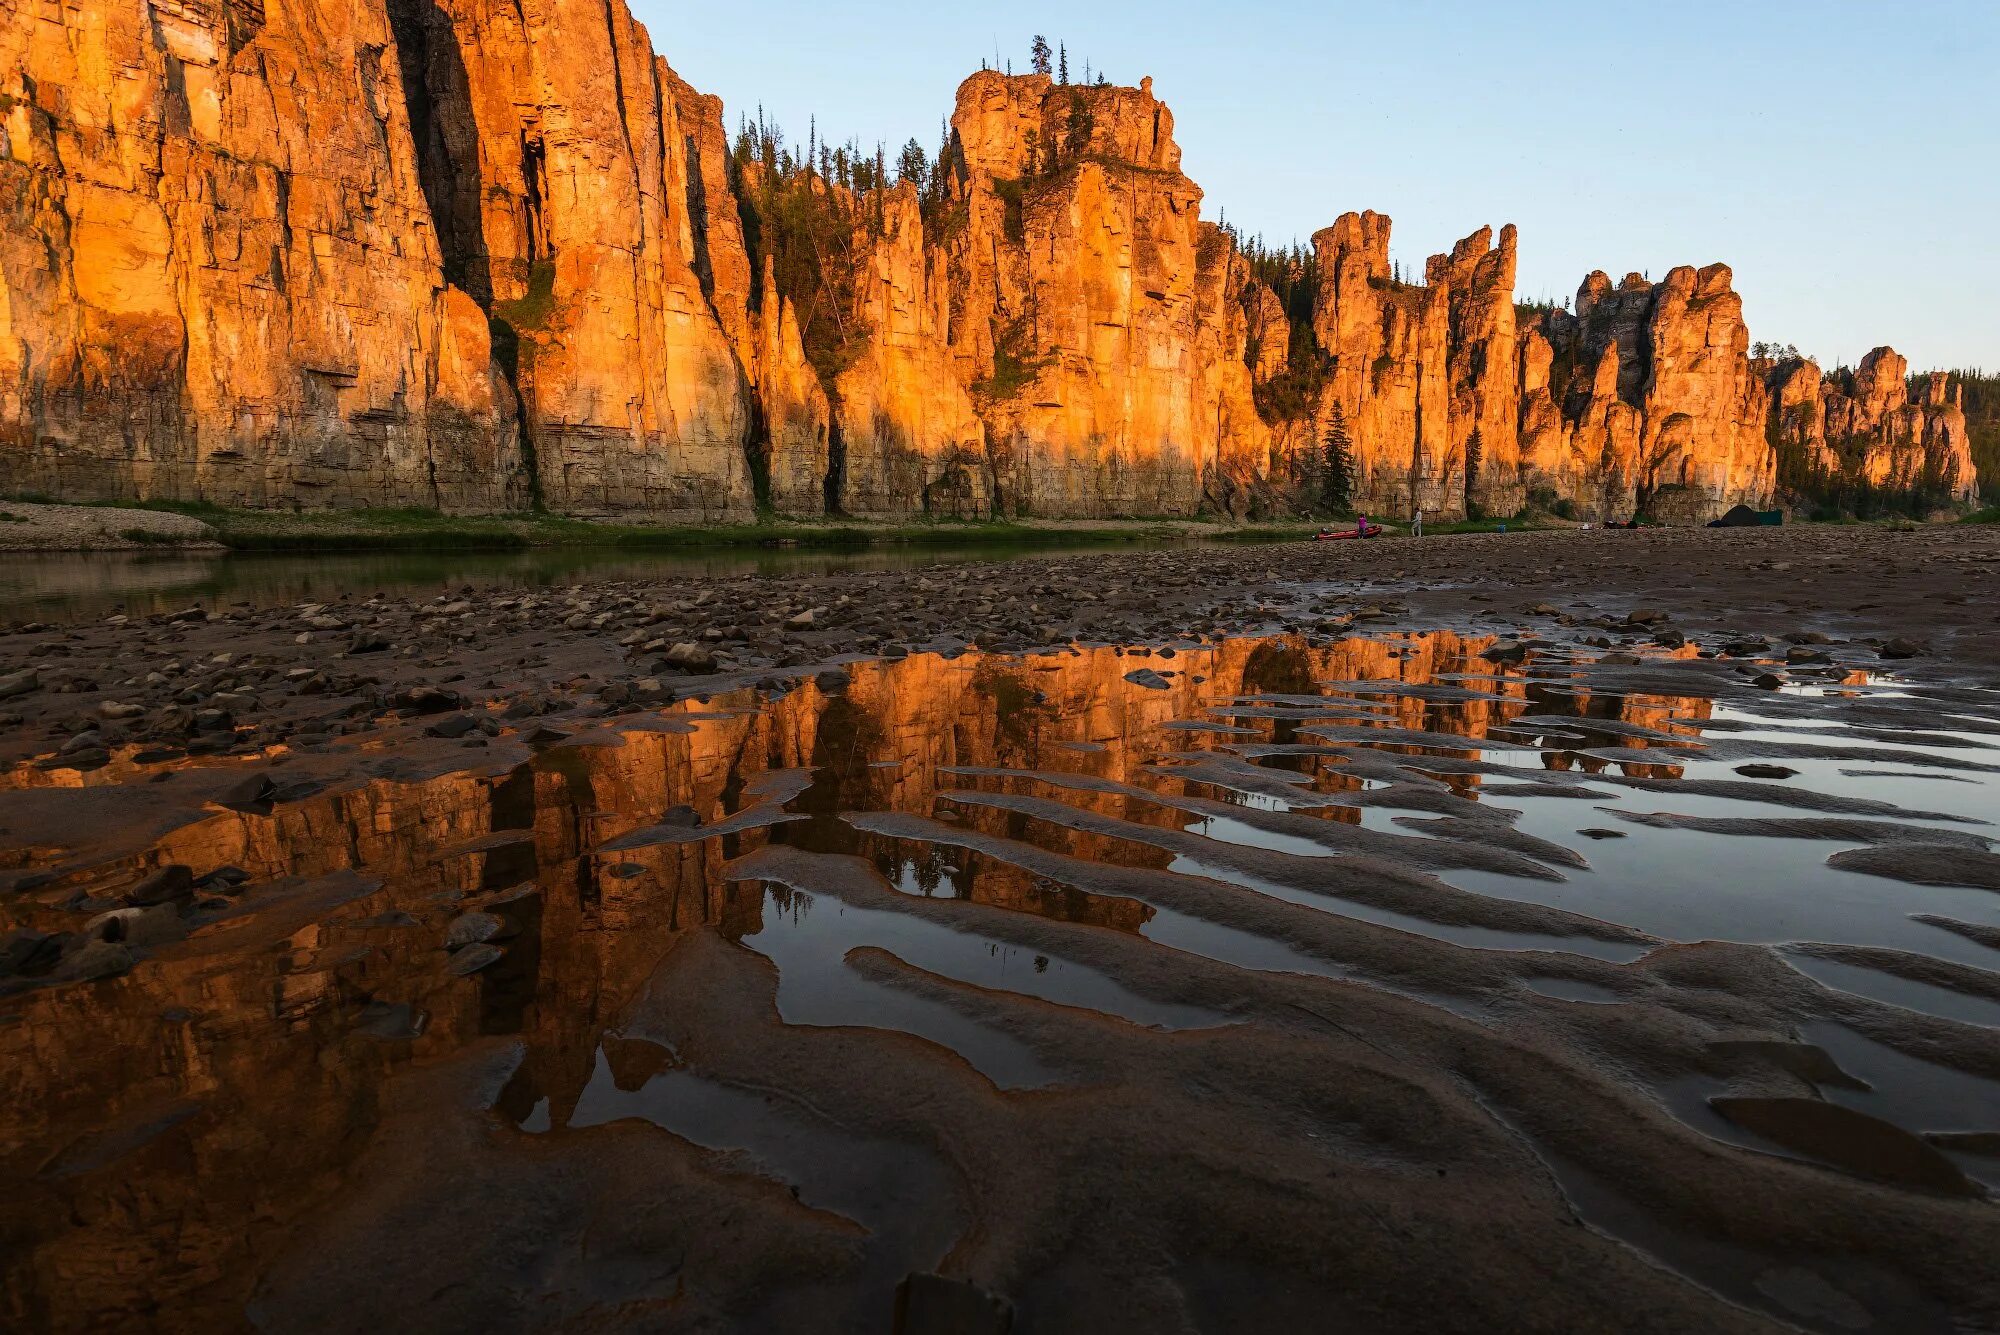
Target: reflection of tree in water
(930, 865)
(1279, 667)
(1020, 712)
(789, 901)
(845, 742)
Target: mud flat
(1551, 931)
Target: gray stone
(174, 881)
(471, 929)
(474, 958)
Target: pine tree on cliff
(1082, 125)
(1475, 451)
(881, 185)
(1337, 453)
(1062, 65)
(1038, 54)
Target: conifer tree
(1081, 126)
(913, 166)
(1062, 64)
(1337, 454)
(1475, 451)
(1038, 54)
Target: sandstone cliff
(911, 442)
(1645, 399)
(219, 275)
(563, 168)
(1095, 316)
(1867, 426)
(428, 252)
(1419, 368)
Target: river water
(798, 936)
(72, 586)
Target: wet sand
(1563, 931)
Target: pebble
(474, 958)
(175, 881)
(471, 929)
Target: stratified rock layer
(476, 256)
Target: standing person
(1417, 526)
(1361, 526)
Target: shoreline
(476, 870)
(600, 646)
(44, 526)
(39, 526)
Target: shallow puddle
(1023, 872)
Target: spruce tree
(1038, 54)
(1062, 64)
(913, 166)
(1337, 471)
(1081, 126)
(1475, 450)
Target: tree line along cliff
(484, 256)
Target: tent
(1742, 516)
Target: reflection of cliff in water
(163, 1123)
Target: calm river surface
(71, 586)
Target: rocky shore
(28, 526)
(240, 680)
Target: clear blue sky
(1843, 157)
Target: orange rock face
(1478, 277)
(1867, 424)
(911, 442)
(218, 271)
(428, 252)
(1645, 399)
(1096, 312)
(631, 392)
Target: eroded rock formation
(1867, 423)
(1645, 398)
(417, 252)
(1098, 316)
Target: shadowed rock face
(418, 252)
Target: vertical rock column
(632, 395)
(1390, 346)
(913, 442)
(1078, 275)
(1484, 365)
